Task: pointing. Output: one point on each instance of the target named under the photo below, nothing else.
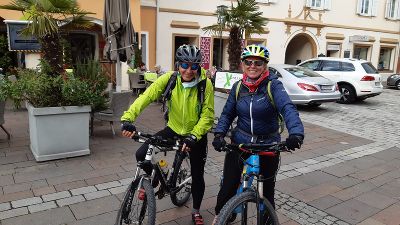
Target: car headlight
(395, 76)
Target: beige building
(296, 31)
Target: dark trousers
(233, 167)
(197, 155)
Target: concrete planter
(58, 132)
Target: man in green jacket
(186, 117)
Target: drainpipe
(157, 30)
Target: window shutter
(359, 6)
(374, 8)
(308, 3)
(327, 4)
(397, 9)
(387, 9)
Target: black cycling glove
(219, 142)
(294, 141)
(128, 126)
(190, 141)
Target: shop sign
(17, 41)
(332, 47)
(205, 45)
(359, 38)
(225, 80)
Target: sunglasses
(194, 66)
(255, 62)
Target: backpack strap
(168, 90)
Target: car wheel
(347, 94)
(398, 85)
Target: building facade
(296, 31)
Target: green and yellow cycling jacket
(184, 117)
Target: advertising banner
(225, 80)
(17, 41)
(205, 45)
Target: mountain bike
(139, 203)
(249, 201)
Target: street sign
(17, 41)
(361, 38)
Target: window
(266, 1)
(348, 67)
(319, 4)
(274, 71)
(312, 65)
(330, 66)
(393, 9)
(361, 52)
(367, 7)
(302, 72)
(385, 58)
(369, 68)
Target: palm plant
(241, 20)
(47, 18)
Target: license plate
(326, 87)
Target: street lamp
(221, 19)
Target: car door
(331, 70)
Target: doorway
(300, 48)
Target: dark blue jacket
(257, 116)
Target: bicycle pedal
(141, 194)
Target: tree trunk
(52, 53)
(234, 49)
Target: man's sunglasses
(255, 62)
(194, 66)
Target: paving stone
(97, 194)
(26, 202)
(103, 219)
(6, 180)
(5, 206)
(316, 178)
(95, 207)
(43, 190)
(353, 191)
(316, 192)
(55, 196)
(370, 221)
(70, 185)
(389, 216)
(42, 207)
(83, 190)
(107, 185)
(352, 211)
(55, 216)
(376, 200)
(13, 213)
(325, 202)
(15, 196)
(71, 200)
(118, 190)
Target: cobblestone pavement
(347, 172)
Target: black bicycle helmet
(188, 53)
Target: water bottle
(164, 167)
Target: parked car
(357, 79)
(305, 86)
(393, 81)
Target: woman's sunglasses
(255, 62)
(194, 66)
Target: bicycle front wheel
(245, 207)
(181, 180)
(139, 205)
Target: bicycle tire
(181, 172)
(246, 197)
(149, 205)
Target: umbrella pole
(118, 76)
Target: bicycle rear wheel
(139, 205)
(180, 193)
(245, 206)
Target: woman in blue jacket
(257, 122)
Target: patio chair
(2, 107)
(136, 82)
(118, 104)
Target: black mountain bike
(139, 203)
(249, 206)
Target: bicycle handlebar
(158, 140)
(258, 148)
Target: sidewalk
(336, 178)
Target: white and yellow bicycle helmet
(255, 50)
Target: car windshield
(301, 72)
(369, 68)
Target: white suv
(357, 79)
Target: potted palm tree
(242, 21)
(58, 104)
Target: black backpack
(201, 88)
